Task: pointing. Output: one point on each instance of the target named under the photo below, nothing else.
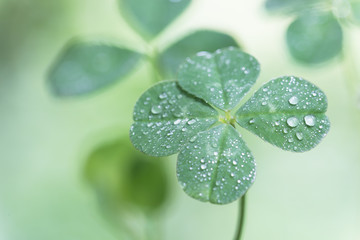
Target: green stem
(240, 226)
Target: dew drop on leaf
(292, 122)
(299, 136)
(293, 100)
(163, 96)
(310, 120)
(157, 109)
(192, 121)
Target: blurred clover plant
(127, 183)
(197, 117)
(316, 34)
(85, 67)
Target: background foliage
(44, 142)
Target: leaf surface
(217, 166)
(166, 117)
(314, 37)
(149, 18)
(87, 67)
(288, 112)
(201, 40)
(222, 78)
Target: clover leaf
(149, 18)
(85, 67)
(200, 40)
(314, 37)
(214, 163)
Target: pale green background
(44, 141)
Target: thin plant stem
(240, 225)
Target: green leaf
(295, 6)
(355, 7)
(87, 67)
(122, 176)
(201, 40)
(149, 18)
(221, 78)
(166, 117)
(288, 112)
(314, 37)
(217, 166)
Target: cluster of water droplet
(166, 118)
(217, 166)
(285, 116)
(222, 78)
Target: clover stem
(240, 226)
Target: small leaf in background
(217, 166)
(87, 67)
(221, 78)
(288, 112)
(314, 37)
(149, 18)
(294, 6)
(166, 117)
(201, 40)
(123, 177)
(355, 7)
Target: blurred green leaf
(217, 166)
(222, 78)
(201, 40)
(355, 7)
(122, 177)
(166, 118)
(288, 112)
(149, 18)
(314, 37)
(85, 67)
(295, 6)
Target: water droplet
(292, 122)
(163, 96)
(203, 166)
(299, 136)
(252, 121)
(156, 109)
(234, 162)
(192, 121)
(177, 121)
(193, 138)
(310, 120)
(293, 100)
(263, 103)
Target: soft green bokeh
(44, 141)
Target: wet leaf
(217, 166)
(149, 18)
(87, 67)
(166, 117)
(221, 78)
(288, 112)
(201, 40)
(314, 37)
